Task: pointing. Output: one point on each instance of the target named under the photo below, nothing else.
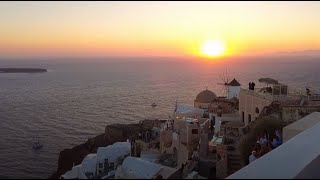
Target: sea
(76, 99)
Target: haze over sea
(75, 100)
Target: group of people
(251, 86)
(308, 92)
(264, 144)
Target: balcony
(314, 97)
(282, 96)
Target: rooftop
(265, 94)
(234, 82)
(188, 110)
(234, 124)
(206, 96)
(114, 151)
(138, 168)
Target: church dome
(206, 96)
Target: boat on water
(37, 145)
(154, 105)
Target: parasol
(268, 81)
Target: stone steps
(234, 162)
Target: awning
(268, 81)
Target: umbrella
(268, 81)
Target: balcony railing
(272, 97)
(314, 97)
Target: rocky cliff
(113, 133)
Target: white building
(101, 164)
(75, 173)
(136, 168)
(224, 118)
(233, 89)
(187, 111)
(89, 165)
(108, 157)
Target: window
(242, 117)
(213, 122)
(257, 110)
(249, 118)
(194, 131)
(100, 165)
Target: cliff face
(113, 133)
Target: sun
(213, 48)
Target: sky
(165, 28)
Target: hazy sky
(156, 28)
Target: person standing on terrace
(253, 156)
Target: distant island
(22, 70)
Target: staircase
(235, 162)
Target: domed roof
(206, 96)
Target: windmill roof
(234, 82)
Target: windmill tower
(225, 78)
(233, 89)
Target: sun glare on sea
(213, 48)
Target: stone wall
(183, 154)
(165, 140)
(193, 139)
(201, 105)
(223, 106)
(203, 151)
(248, 103)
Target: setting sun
(213, 48)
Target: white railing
(272, 97)
(314, 97)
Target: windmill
(225, 78)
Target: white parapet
(300, 125)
